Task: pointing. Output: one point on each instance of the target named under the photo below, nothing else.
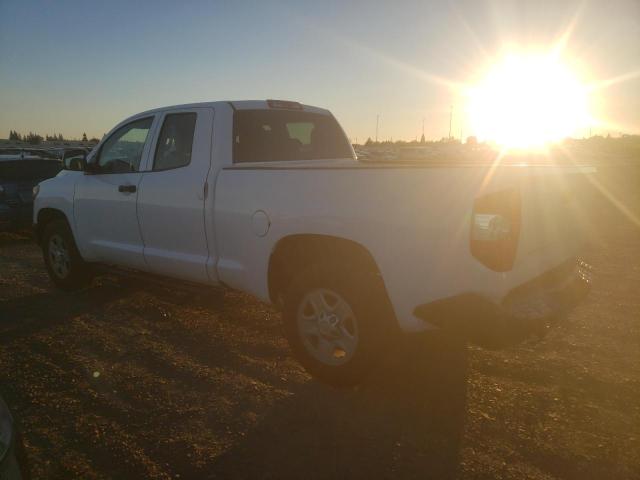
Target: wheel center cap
(328, 325)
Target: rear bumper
(527, 309)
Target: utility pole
(450, 120)
(377, 122)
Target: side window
(175, 141)
(122, 152)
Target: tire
(64, 264)
(21, 456)
(337, 322)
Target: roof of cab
(235, 104)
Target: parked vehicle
(17, 179)
(268, 197)
(13, 464)
(10, 153)
(60, 152)
(26, 154)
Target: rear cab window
(287, 135)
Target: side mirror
(74, 160)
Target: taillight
(495, 229)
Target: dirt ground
(126, 381)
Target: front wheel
(336, 323)
(64, 264)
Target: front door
(105, 199)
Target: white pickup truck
(269, 198)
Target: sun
(527, 101)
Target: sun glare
(527, 101)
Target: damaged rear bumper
(526, 310)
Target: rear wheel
(336, 323)
(66, 268)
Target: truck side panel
(414, 222)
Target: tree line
(371, 143)
(35, 138)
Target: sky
(76, 67)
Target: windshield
(276, 135)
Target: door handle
(127, 188)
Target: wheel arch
(46, 216)
(295, 252)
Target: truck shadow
(22, 317)
(406, 421)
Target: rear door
(105, 200)
(172, 196)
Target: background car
(17, 153)
(17, 179)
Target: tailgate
(528, 220)
(553, 223)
